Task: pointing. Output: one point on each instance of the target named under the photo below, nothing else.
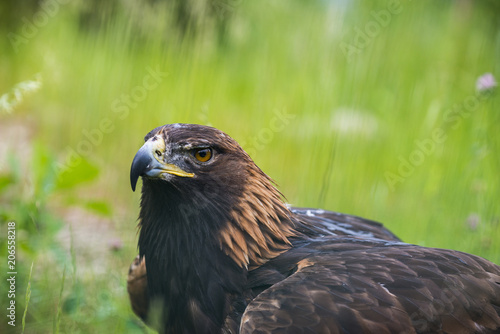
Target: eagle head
(198, 180)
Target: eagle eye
(203, 154)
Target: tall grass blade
(27, 299)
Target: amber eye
(203, 154)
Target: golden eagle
(225, 254)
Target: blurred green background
(365, 107)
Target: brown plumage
(225, 254)
(137, 287)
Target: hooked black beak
(149, 162)
(140, 165)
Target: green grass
(348, 121)
(27, 299)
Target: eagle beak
(147, 163)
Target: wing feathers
(384, 289)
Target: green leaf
(75, 300)
(69, 176)
(100, 207)
(41, 167)
(5, 180)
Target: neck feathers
(259, 224)
(252, 228)
(234, 235)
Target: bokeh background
(382, 109)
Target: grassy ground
(368, 108)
